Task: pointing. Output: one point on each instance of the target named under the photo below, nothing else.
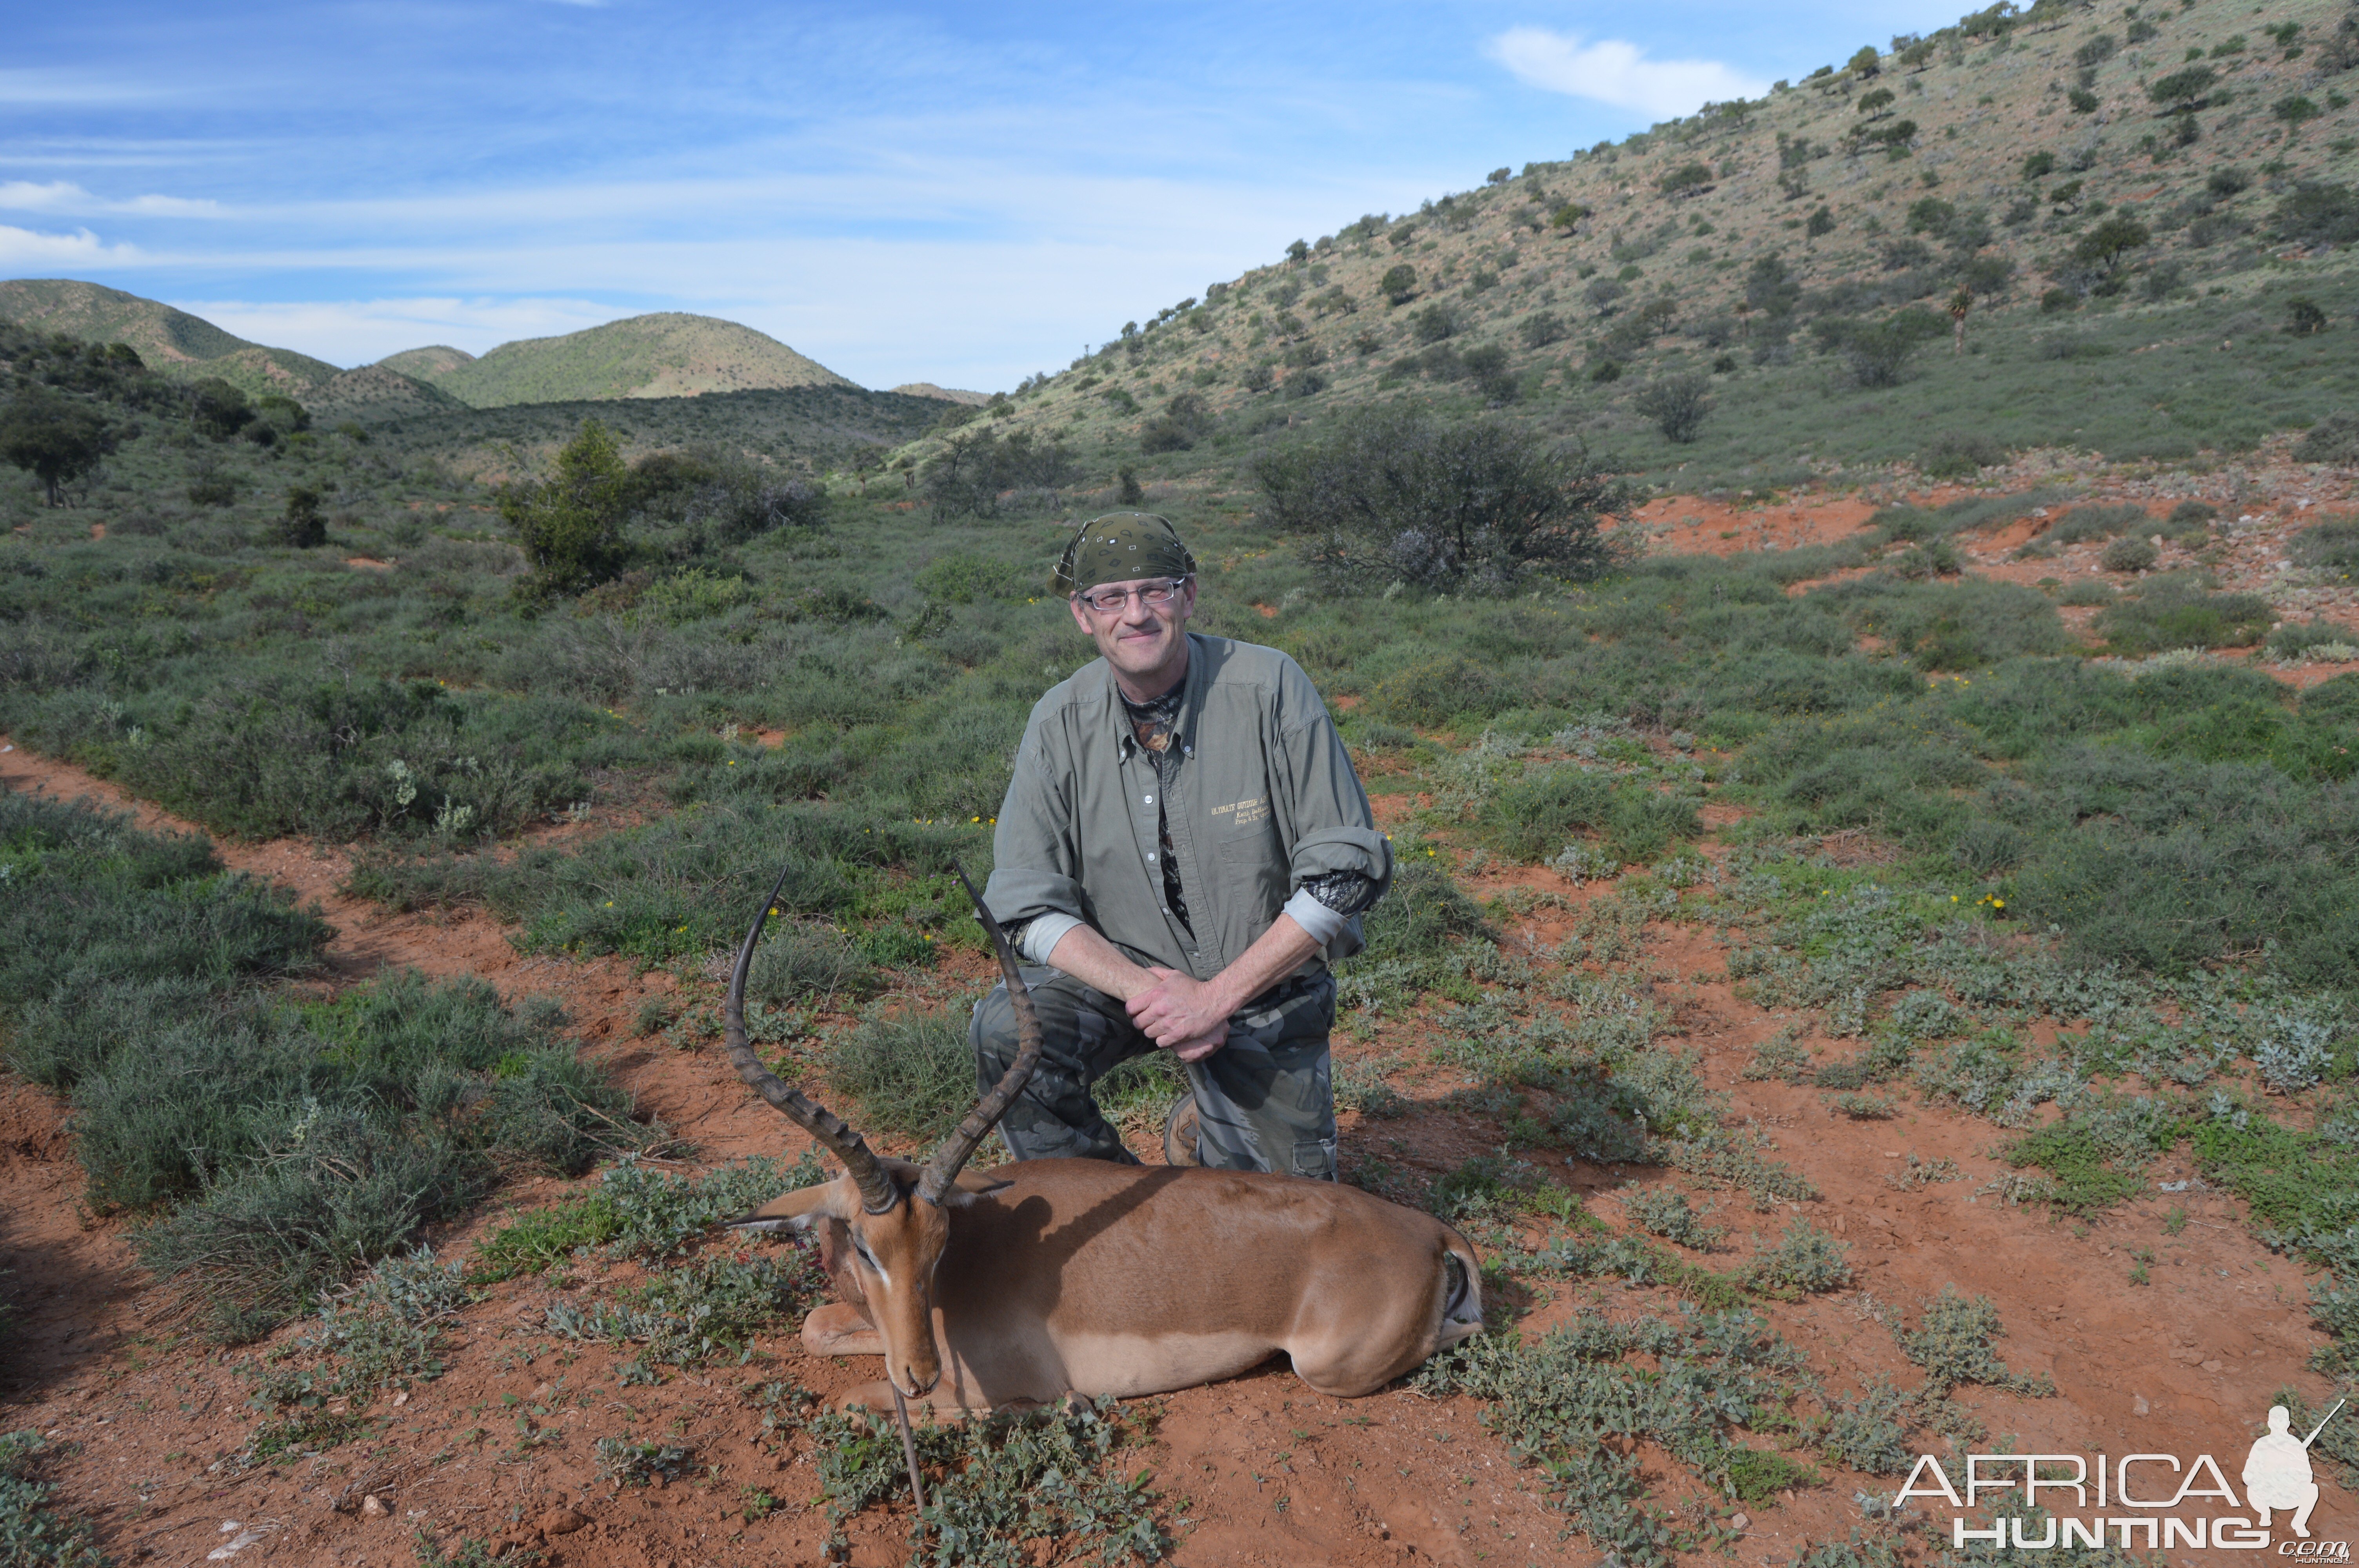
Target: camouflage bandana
(1122, 546)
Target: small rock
(543, 1390)
(1739, 1522)
(2138, 1405)
(401, 1399)
(560, 1522)
(372, 1507)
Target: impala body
(1049, 1276)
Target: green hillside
(169, 341)
(669, 355)
(427, 363)
(2134, 200)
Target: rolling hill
(669, 355)
(171, 340)
(2136, 202)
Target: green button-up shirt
(1262, 799)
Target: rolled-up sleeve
(1330, 827)
(1035, 859)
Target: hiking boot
(1180, 1132)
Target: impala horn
(877, 1192)
(960, 1146)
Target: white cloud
(1618, 73)
(23, 249)
(65, 196)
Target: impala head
(895, 1214)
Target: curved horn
(877, 1192)
(960, 1146)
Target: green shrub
(2128, 554)
(1952, 1343)
(910, 1073)
(809, 960)
(571, 526)
(34, 1532)
(2332, 546)
(2096, 522)
(1869, 1433)
(1676, 403)
(2334, 440)
(2172, 612)
(1534, 817)
(1395, 497)
(1806, 1260)
(1665, 1212)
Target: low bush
(2332, 546)
(1952, 1343)
(1806, 1260)
(2172, 612)
(2096, 522)
(2128, 554)
(2334, 440)
(34, 1532)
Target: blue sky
(960, 194)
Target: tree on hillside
(1395, 496)
(303, 526)
(571, 526)
(1676, 403)
(53, 438)
(1398, 284)
(2104, 246)
(1866, 62)
(218, 409)
(1688, 179)
(2183, 91)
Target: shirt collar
(1190, 690)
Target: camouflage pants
(1264, 1101)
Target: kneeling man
(1183, 848)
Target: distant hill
(378, 392)
(427, 364)
(2165, 182)
(942, 393)
(171, 340)
(669, 355)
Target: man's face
(1146, 644)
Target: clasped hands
(1183, 1015)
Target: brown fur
(1100, 1279)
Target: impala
(1049, 1276)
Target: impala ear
(796, 1209)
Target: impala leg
(874, 1402)
(841, 1329)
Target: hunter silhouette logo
(2276, 1477)
(2276, 1472)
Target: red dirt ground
(2186, 1365)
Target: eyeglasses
(1111, 601)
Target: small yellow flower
(1998, 903)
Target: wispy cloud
(24, 248)
(64, 196)
(1611, 72)
(25, 88)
